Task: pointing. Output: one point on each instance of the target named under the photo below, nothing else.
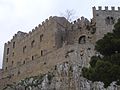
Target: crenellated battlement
(106, 8)
(44, 23)
(40, 27)
(81, 22)
(19, 34)
(82, 19)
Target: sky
(24, 15)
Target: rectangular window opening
(13, 44)
(41, 38)
(7, 51)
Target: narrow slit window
(12, 62)
(18, 72)
(33, 43)
(24, 49)
(13, 44)
(7, 51)
(6, 59)
(13, 54)
(41, 38)
(5, 68)
(41, 52)
(32, 57)
(23, 62)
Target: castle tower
(105, 20)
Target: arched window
(112, 20)
(109, 20)
(82, 40)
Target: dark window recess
(41, 52)
(81, 58)
(24, 48)
(109, 20)
(13, 44)
(12, 62)
(32, 57)
(88, 27)
(41, 38)
(89, 48)
(13, 54)
(112, 20)
(18, 72)
(23, 62)
(6, 59)
(7, 51)
(93, 30)
(44, 63)
(32, 43)
(5, 68)
(82, 40)
(97, 14)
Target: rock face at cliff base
(65, 76)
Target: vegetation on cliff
(105, 67)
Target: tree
(106, 68)
(69, 14)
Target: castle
(29, 54)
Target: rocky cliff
(64, 76)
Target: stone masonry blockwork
(49, 44)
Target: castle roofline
(21, 34)
(106, 8)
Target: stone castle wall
(71, 53)
(105, 20)
(54, 42)
(25, 47)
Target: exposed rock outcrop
(65, 76)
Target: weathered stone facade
(64, 76)
(53, 42)
(1, 73)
